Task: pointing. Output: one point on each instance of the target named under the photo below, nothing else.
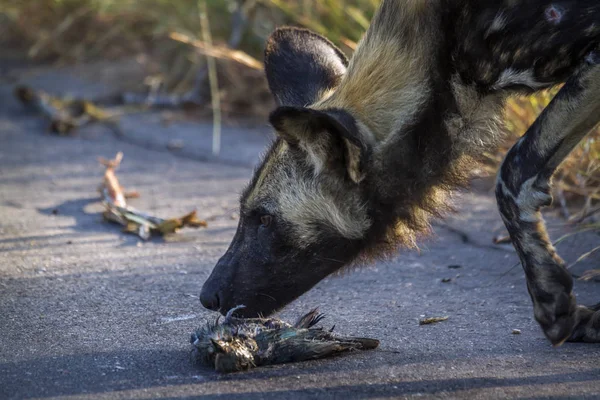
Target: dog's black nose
(210, 299)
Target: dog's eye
(266, 220)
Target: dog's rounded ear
(325, 135)
(301, 66)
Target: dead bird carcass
(239, 344)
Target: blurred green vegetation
(83, 29)
(80, 30)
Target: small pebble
(175, 144)
(516, 331)
(446, 280)
(454, 266)
(502, 239)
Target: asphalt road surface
(89, 312)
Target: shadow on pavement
(402, 388)
(86, 222)
(102, 373)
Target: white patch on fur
(530, 200)
(305, 200)
(512, 76)
(316, 155)
(502, 185)
(554, 14)
(592, 30)
(304, 203)
(498, 24)
(268, 169)
(353, 166)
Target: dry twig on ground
(65, 115)
(134, 221)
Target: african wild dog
(368, 150)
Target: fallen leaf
(432, 320)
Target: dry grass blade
(584, 256)
(213, 80)
(64, 26)
(581, 229)
(219, 51)
(590, 274)
(352, 45)
(584, 215)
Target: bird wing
(310, 319)
(290, 345)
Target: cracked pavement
(89, 312)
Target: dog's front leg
(523, 187)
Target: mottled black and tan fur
(369, 149)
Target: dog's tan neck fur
(389, 81)
(386, 83)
